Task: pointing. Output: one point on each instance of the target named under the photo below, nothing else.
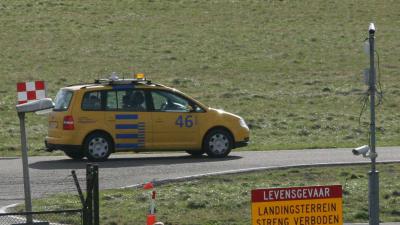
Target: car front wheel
(98, 147)
(218, 143)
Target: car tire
(98, 147)
(197, 153)
(75, 155)
(218, 143)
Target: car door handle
(159, 121)
(111, 119)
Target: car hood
(224, 113)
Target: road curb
(192, 177)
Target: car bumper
(244, 143)
(52, 147)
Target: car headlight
(243, 123)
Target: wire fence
(66, 205)
(64, 217)
(12, 188)
(51, 212)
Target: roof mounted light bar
(121, 81)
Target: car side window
(126, 100)
(164, 101)
(62, 100)
(92, 101)
(133, 100)
(111, 102)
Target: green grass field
(292, 69)
(222, 200)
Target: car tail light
(68, 123)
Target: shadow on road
(126, 162)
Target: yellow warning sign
(298, 206)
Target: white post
(25, 169)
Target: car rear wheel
(98, 147)
(218, 143)
(195, 153)
(75, 155)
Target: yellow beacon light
(139, 76)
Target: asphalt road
(52, 174)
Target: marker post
(33, 106)
(151, 216)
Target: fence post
(96, 206)
(89, 195)
(78, 188)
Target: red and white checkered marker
(29, 91)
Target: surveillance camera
(371, 28)
(363, 150)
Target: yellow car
(112, 115)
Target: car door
(174, 124)
(89, 114)
(127, 118)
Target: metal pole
(25, 169)
(373, 175)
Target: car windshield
(62, 100)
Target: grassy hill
(292, 69)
